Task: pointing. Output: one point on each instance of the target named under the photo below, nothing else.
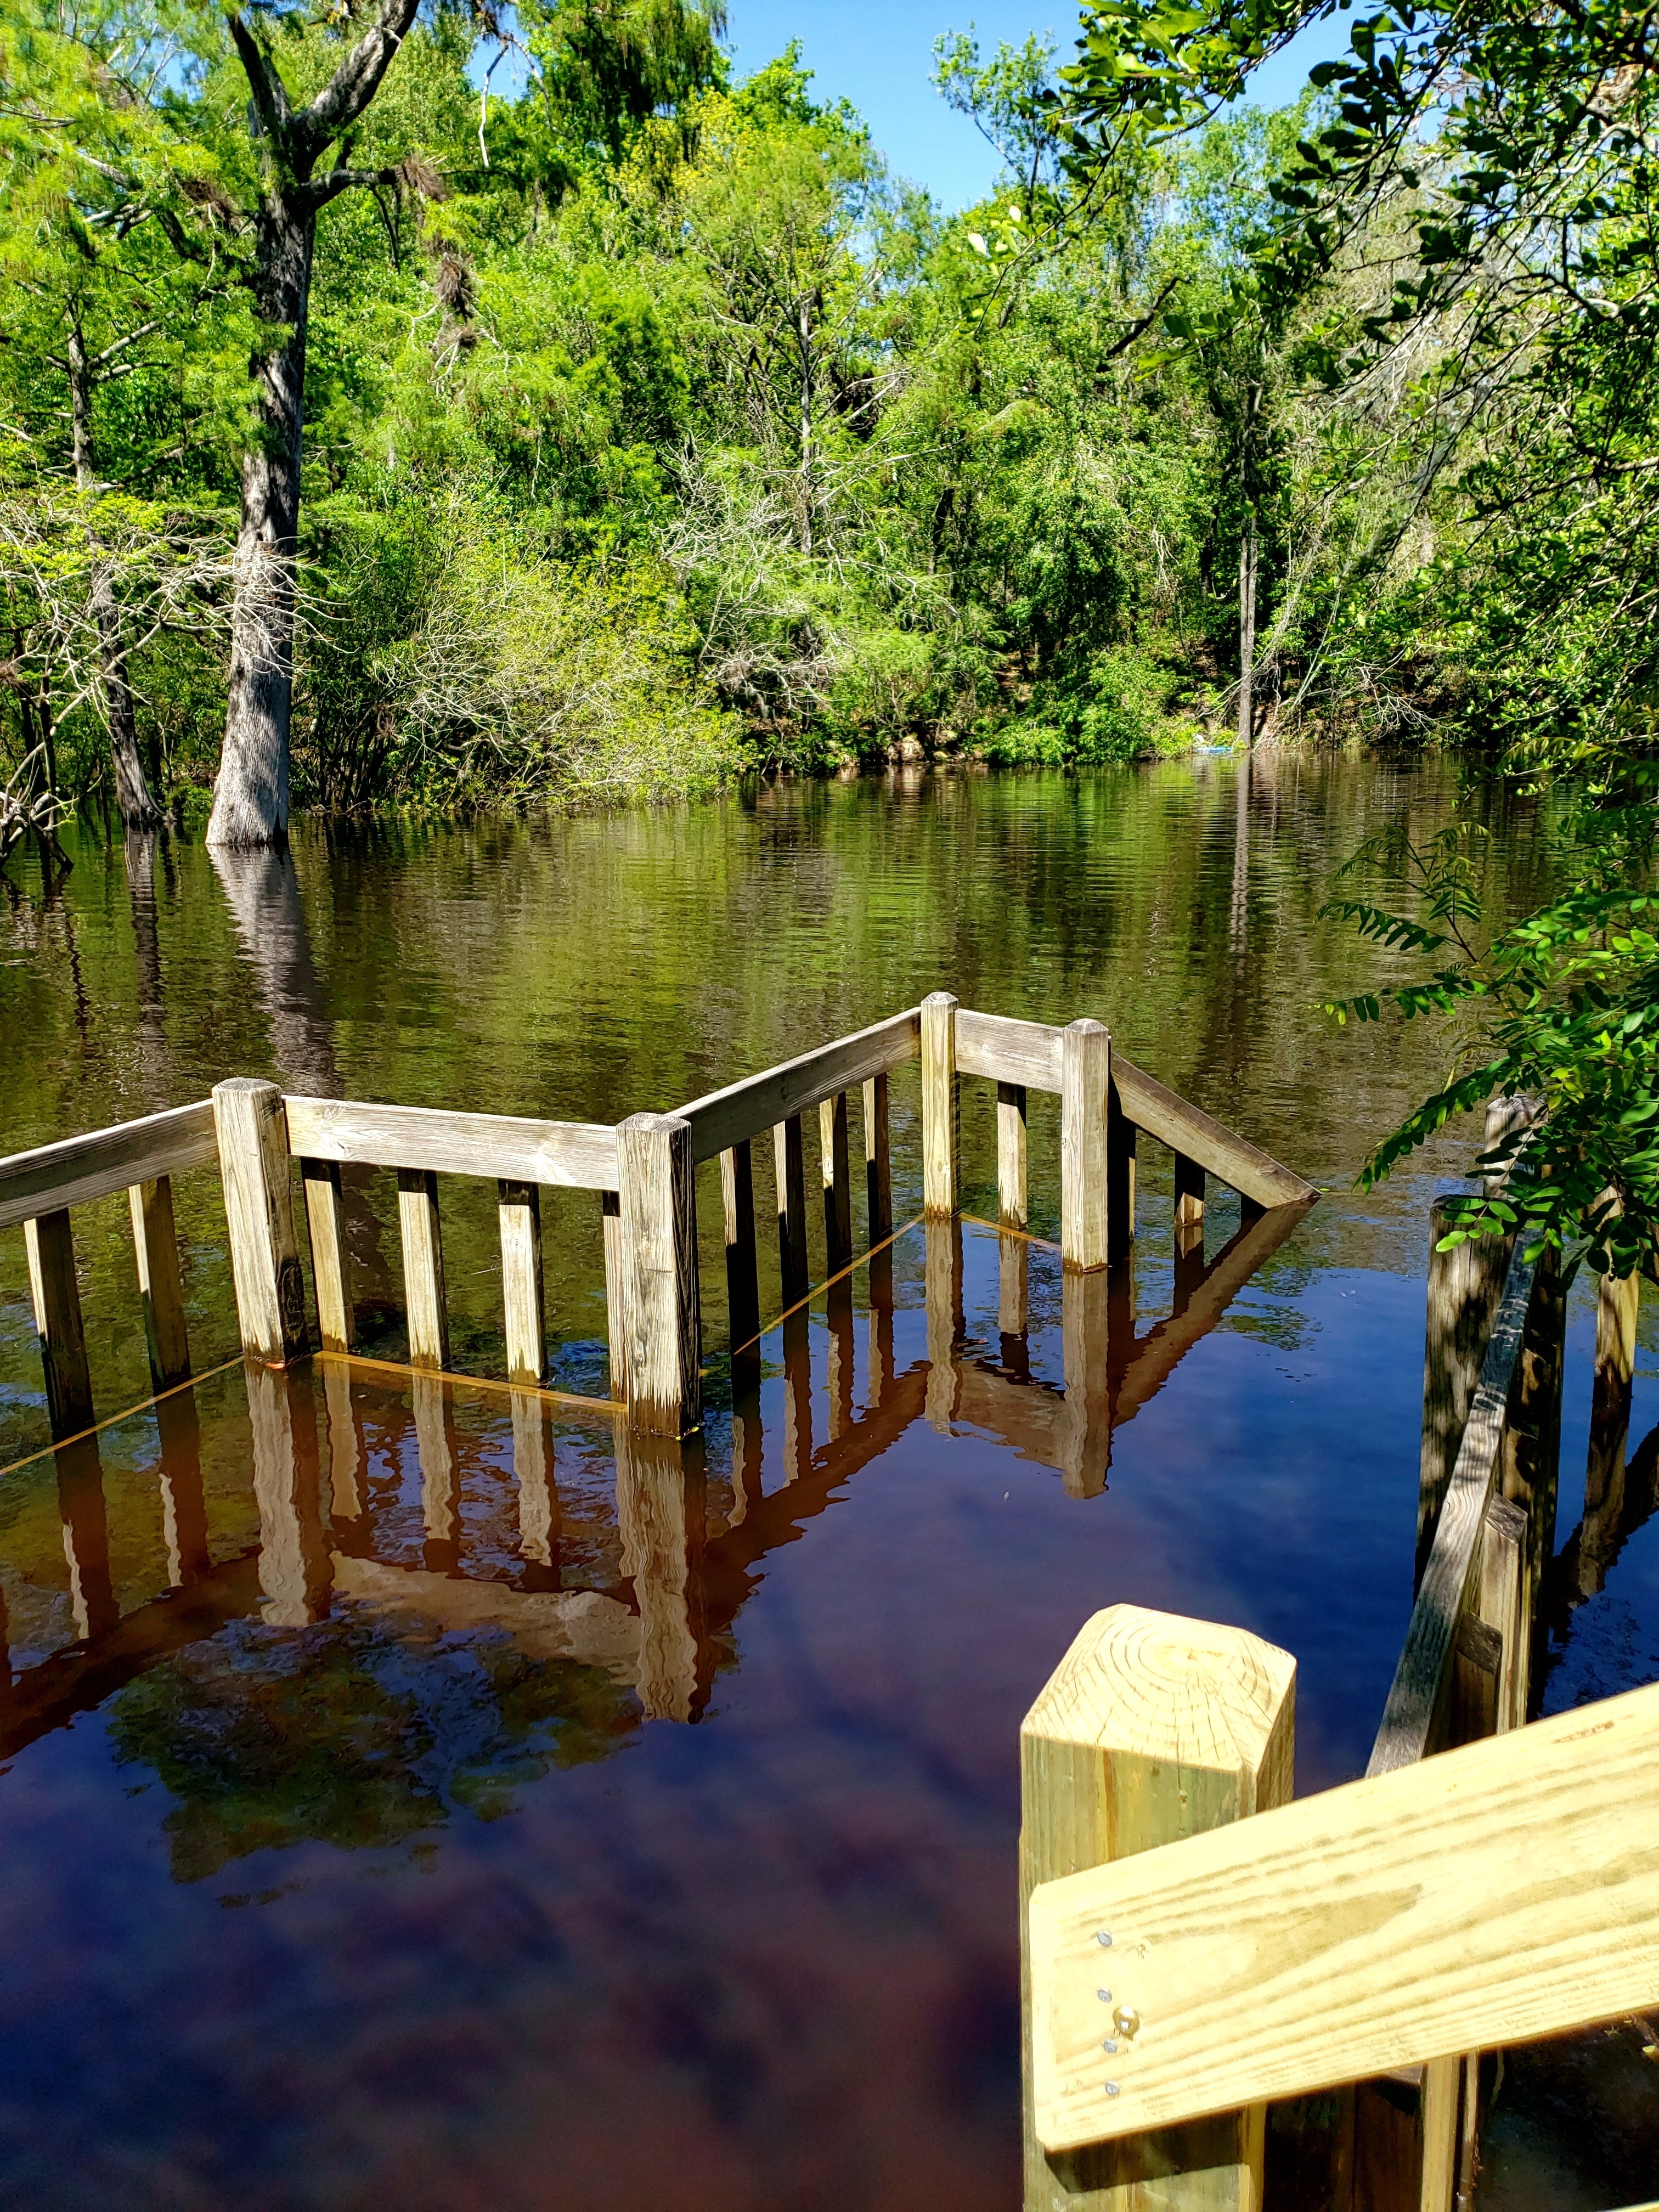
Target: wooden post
(659, 1266)
(425, 1305)
(940, 1167)
(1087, 1302)
(1085, 1172)
(878, 1173)
(1530, 1465)
(942, 1292)
(518, 1206)
(330, 1265)
(615, 1298)
(252, 1123)
(1150, 1729)
(1501, 1604)
(1616, 1308)
(1012, 1206)
(155, 1246)
(1465, 1286)
(742, 1272)
(660, 1516)
(296, 1571)
(789, 1160)
(1013, 1287)
(837, 1187)
(1120, 1176)
(1188, 1204)
(50, 1245)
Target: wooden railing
(1376, 1938)
(644, 1171)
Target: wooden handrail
(743, 1110)
(1496, 1894)
(430, 1139)
(80, 1169)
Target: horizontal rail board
(1488, 1896)
(1420, 1676)
(80, 1169)
(578, 1155)
(726, 1117)
(1008, 1051)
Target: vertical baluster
(742, 1273)
(878, 1171)
(50, 1248)
(1013, 1210)
(330, 1267)
(155, 1246)
(837, 1183)
(518, 1206)
(424, 1303)
(1188, 1205)
(1121, 1134)
(616, 1301)
(788, 1157)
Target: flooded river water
(414, 1797)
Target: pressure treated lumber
(331, 1263)
(738, 1223)
(661, 1297)
(878, 1170)
(1188, 1204)
(1502, 1602)
(760, 1102)
(575, 1155)
(940, 1169)
(78, 1170)
(426, 1306)
(1447, 1586)
(520, 1213)
(837, 1184)
(1152, 1728)
(1012, 1205)
(50, 1246)
(1465, 1286)
(1008, 1051)
(1494, 1894)
(264, 1260)
(616, 1294)
(789, 1165)
(1085, 1166)
(160, 1288)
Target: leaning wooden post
(252, 1123)
(156, 1247)
(661, 1306)
(50, 1247)
(1085, 1084)
(1151, 1729)
(523, 1303)
(1465, 1286)
(940, 1165)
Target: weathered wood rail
(1488, 1881)
(643, 1170)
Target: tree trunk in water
(132, 792)
(1247, 634)
(249, 799)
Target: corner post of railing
(661, 1314)
(940, 1169)
(1152, 1728)
(1085, 1085)
(252, 1121)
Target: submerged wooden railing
(1373, 1941)
(644, 1172)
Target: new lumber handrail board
(430, 1139)
(78, 1170)
(1408, 1716)
(1492, 1894)
(744, 1109)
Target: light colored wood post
(330, 1267)
(1086, 1068)
(1121, 1134)
(50, 1245)
(1012, 1205)
(659, 1261)
(1501, 1604)
(942, 1292)
(1151, 1729)
(742, 1271)
(1465, 1286)
(940, 1168)
(252, 1123)
(878, 1172)
(1013, 1285)
(616, 1297)
(155, 1246)
(837, 1187)
(660, 1517)
(1188, 1204)
(425, 1303)
(1086, 1304)
(296, 1571)
(519, 1208)
(789, 1160)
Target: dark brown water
(408, 1801)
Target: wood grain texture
(1012, 1196)
(795, 1086)
(616, 1294)
(789, 1168)
(330, 1262)
(264, 1260)
(738, 1224)
(1502, 1602)
(658, 1194)
(1465, 1286)
(523, 1301)
(426, 1305)
(574, 1155)
(1013, 1287)
(50, 1245)
(834, 1162)
(940, 1172)
(1188, 1202)
(1496, 1894)
(942, 1290)
(1152, 1728)
(877, 1169)
(1025, 1053)
(1085, 1177)
(1446, 1587)
(160, 1286)
(80, 1169)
